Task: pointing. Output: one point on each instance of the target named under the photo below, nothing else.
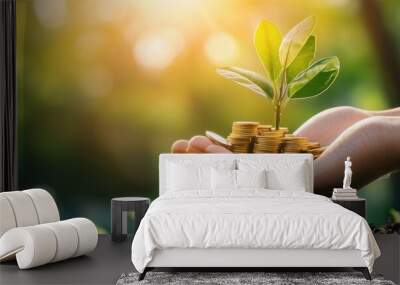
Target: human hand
(197, 144)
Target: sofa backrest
(277, 162)
(26, 208)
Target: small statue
(347, 174)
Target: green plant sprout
(287, 65)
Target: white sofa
(31, 231)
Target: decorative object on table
(345, 193)
(358, 205)
(120, 207)
(31, 231)
(249, 278)
(287, 65)
(252, 137)
(347, 174)
(388, 239)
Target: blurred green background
(105, 86)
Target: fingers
(197, 144)
(371, 143)
(217, 149)
(180, 146)
(326, 126)
(389, 112)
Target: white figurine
(347, 174)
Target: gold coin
(217, 139)
(281, 129)
(312, 145)
(245, 123)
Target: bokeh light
(157, 50)
(104, 86)
(51, 14)
(221, 48)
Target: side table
(358, 205)
(119, 214)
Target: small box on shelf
(344, 194)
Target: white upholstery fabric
(26, 208)
(185, 174)
(23, 208)
(7, 218)
(45, 205)
(283, 171)
(282, 162)
(41, 244)
(250, 219)
(87, 235)
(223, 179)
(31, 232)
(67, 239)
(251, 178)
(184, 177)
(32, 246)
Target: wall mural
(106, 86)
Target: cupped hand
(197, 144)
(370, 138)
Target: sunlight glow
(51, 14)
(221, 48)
(157, 50)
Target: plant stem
(281, 94)
(277, 116)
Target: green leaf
(395, 215)
(302, 60)
(267, 40)
(249, 79)
(294, 41)
(315, 79)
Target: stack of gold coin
(242, 136)
(295, 144)
(270, 141)
(262, 129)
(312, 145)
(284, 130)
(315, 149)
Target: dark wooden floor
(103, 266)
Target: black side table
(119, 214)
(358, 205)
